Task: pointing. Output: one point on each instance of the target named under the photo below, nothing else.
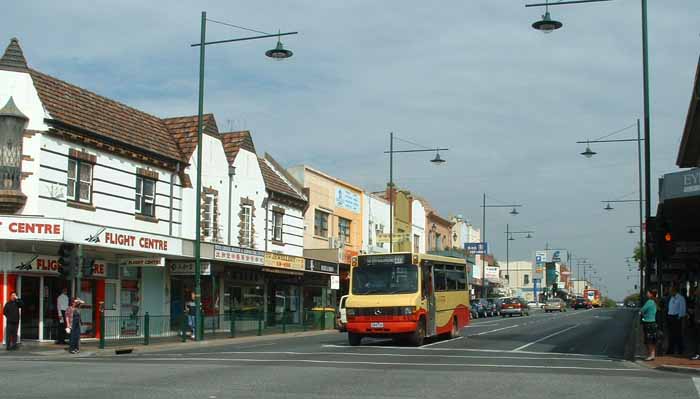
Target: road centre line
(344, 362)
(442, 342)
(544, 338)
(493, 331)
(469, 350)
(414, 355)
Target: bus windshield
(385, 279)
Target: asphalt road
(577, 354)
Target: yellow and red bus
(592, 296)
(406, 296)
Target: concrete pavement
(577, 354)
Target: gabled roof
(13, 59)
(184, 130)
(234, 141)
(275, 182)
(83, 109)
(689, 150)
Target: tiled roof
(234, 141)
(184, 130)
(83, 109)
(275, 183)
(13, 59)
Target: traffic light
(68, 260)
(88, 264)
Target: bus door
(428, 294)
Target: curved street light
(588, 153)
(547, 24)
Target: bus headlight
(407, 310)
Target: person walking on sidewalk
(649, 327)
(675, 316)
(74, 321)
(62, 307)
(696, 323)
(191, 309)
(11, 313)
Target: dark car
(493, 307)
(474, 308)
(483, 309)
(581, 303)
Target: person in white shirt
(62, 307)
(676, 314)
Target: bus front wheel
(418, 336)
(354, 339)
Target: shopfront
(181, 275)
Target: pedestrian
(191, 309)
(676, 314)
(73, 320)
(649, 326)
(62, 308)
(11, 311)
(696, 323)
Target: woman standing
(74, 323)
(648, 313)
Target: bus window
(440, 283)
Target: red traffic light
(668, 237)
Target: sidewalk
(90, 348)
(674, 363)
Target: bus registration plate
(377, 325)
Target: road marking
(475, 325)
(467, 350)
(442, 342)
(544, 338)
(493, 331)
(696, 381)
(345, 362)
(511, 357)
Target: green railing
(120, 331)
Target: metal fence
(132, 330)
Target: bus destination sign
(378, 260)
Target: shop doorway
(283, 304)
(52, 289)
(30, 289)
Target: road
(577, 354)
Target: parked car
(581, 303)
(554, 305)
(474, 309)
(341, 316)
(493, 307)
(483, 308)
(514, 306)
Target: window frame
(323, 225)
(139, 192)
(277, 226)
(247, 220)
(78, 167)
(344, 238)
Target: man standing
(62, 307)
(676, 314)
(11, 312)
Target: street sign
(477, 248)
(397, 237)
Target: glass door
(428, 293)
(30, 293)
(52, 290)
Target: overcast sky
(508, 101)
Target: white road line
(345, 362)
(442, 342)
(696, 381)
(544, 338)
(493, 331)
(578, 355)
(511, 357)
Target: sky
(508, 101)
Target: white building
(464, 231)
(418, 220)
(375, 221)
(518, 276)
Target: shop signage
(30, 263)
(81, 233)
(335, 282)
(14, 228)
(347, 199)
(313, 265)
(346, 256)
(491, 272)
(477, 248)
(397, 237)
(99, 269)
(680, 184)
(239, 255)
(284, 261)
(187, 268)
(282, 271)
(142, 262)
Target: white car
(341, 319)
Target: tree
(634, 298)
(638, 253)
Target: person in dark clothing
(11, 312)
(74, 321)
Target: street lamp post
(436, 161)
(279, 52)
(509, 238)
(588, 153)
(513, 212)
(647, 122)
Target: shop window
(246, 226)
(145, 196)
(79, 185)
(277, 223)
(526, 279)
(321, 223)
(343, 230)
